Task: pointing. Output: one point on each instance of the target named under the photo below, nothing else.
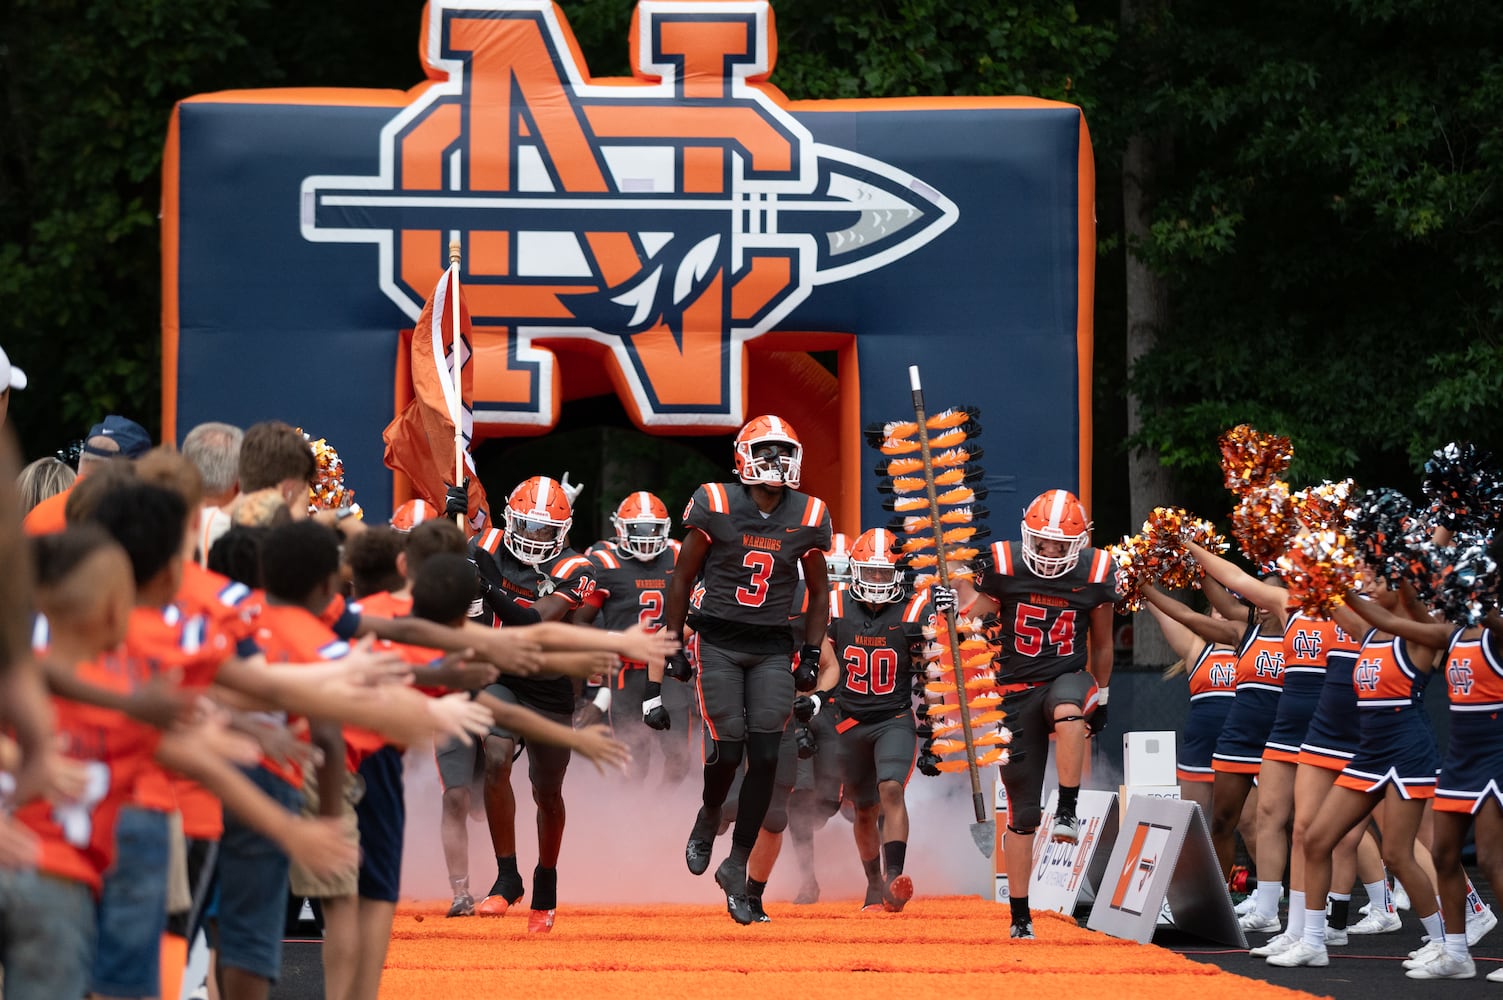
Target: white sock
(1296, 914)
(1435, 927)
(1456, 946)
(1377, 895)
(1268, 898)
(1315, 928)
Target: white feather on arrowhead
(641, 297)
(695, 265)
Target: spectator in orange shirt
(112, 438)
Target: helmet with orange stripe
(1055, 532)
(641, 523)
(411, 514)
(538, 518)
(768, 452)
(838, 559)
(875, 575)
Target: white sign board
(1062, 870)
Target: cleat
(731, 878)
(540, 921)
(1066, 828)
(1259, 924)
(1276, 945)
(1335, 937)
(1302, 954)
(873, 902)
(701, 841)
(1021, 932)
(1376, 922)
(896, 893)
(1445, 966)
(1478, 924)
(463, 906)
(808, 893)
(493, 906)
(1424, 955)
(759, 915)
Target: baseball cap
(11, 377)
(129, 435)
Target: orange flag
(437, 423)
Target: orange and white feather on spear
(932, 481)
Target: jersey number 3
(754, 595)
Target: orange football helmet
(1054, 516)
(411, 514)
(641, 523)
(875, 576)
(538, 518)
(838, 559)
(768, 452)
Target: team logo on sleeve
(669, 220)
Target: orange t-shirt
(166, 640)
(289, 634)
(47, 518)
(78, 838)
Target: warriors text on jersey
(751, 569)
(1045, 623)
(874, 645)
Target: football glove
(806, 674)
(678, 666)
(808, 746)
(807, 706)
(457, 500)
(943, 599)
(654, 715)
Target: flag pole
(458, 415)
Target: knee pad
(776, 820)
(762, 748)
(725, 753)
(1070, 718)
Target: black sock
(1340, 912)
(506, 865)
(754, 888)
(893, 853)
(1069, 795)
(873, 869)
(1020, 913)
(544, 888)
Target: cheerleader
(1395, 764)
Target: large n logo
(670, 220)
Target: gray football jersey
(1045, 622)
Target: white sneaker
(1274, 946)
(1301, 954)
(1335, 937)
(1245, 907)
(1445, 966)
(1377, 922)
(1366, 908)
(1400, 897)
(1423, 955)
(1259, 924)
(1478, 924)
(1495, 976)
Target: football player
(528, 575)
(866, 673)
(632, 570)
(1053, 595)
(748, 540)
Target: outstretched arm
(1185, 643)
(1271, 598)
(1427, 634)
(1208, 628)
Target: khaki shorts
(345, 883)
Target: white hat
(11, 377)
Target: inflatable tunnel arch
(683, 240)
